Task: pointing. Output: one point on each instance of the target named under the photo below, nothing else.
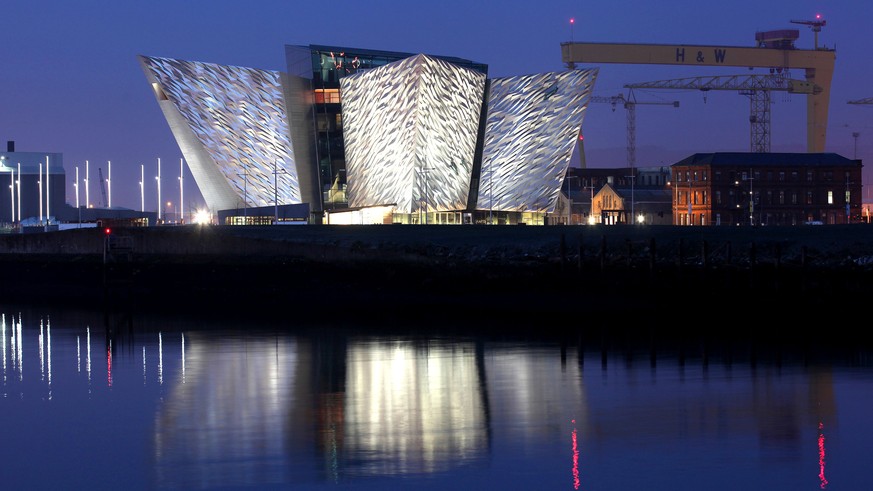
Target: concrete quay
(499, 272)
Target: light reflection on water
(164, 404)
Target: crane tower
(757, 87)
(630, 104)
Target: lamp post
(39, 185)
(18, 185)
(142, 188)
(109, 181)
(182, 190)
(158, 178)
(87, 182)
(48, 214)
(167, 212)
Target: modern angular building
(422, 139)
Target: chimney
(10, 146)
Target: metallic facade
(532, 125)
(410, 132)
(419, 134)
(232, 126)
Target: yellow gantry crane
(775, 51)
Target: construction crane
(757, 87)
(102, 185)
(630, 103)
(868, 100)
(815, 25)
(818, 65)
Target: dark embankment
(736, 279)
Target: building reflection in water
(413, 407)
(276, 408)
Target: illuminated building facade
(427, 139)
(739, 188)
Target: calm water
(92, 402)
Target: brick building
(736, 188)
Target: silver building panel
(232, 126)
(410, 134)
(531, 129)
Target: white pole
(159, 188)
(76, 185)
(109, 180)
(142, 188)
(87, 185)
(39, 183)
(47, 212)
(18, 183)
(181, 190)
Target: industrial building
(411, 138)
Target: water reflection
(257, 408)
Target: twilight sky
(71, 82)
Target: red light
(572, 20)
(581, 137)
(107, 230)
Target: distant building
(735, 188)
(611, 195)
(34, 183)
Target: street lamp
(87, 182)
(182, 189)
(109, 181)
(18, 185)
(167, 212)
(39, 185)
(142, 188)
(158, 178)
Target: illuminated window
(830, 197)
(327, 96)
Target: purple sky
(71, 82)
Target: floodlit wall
(410, 134)
(532, 126)
(232, 126)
